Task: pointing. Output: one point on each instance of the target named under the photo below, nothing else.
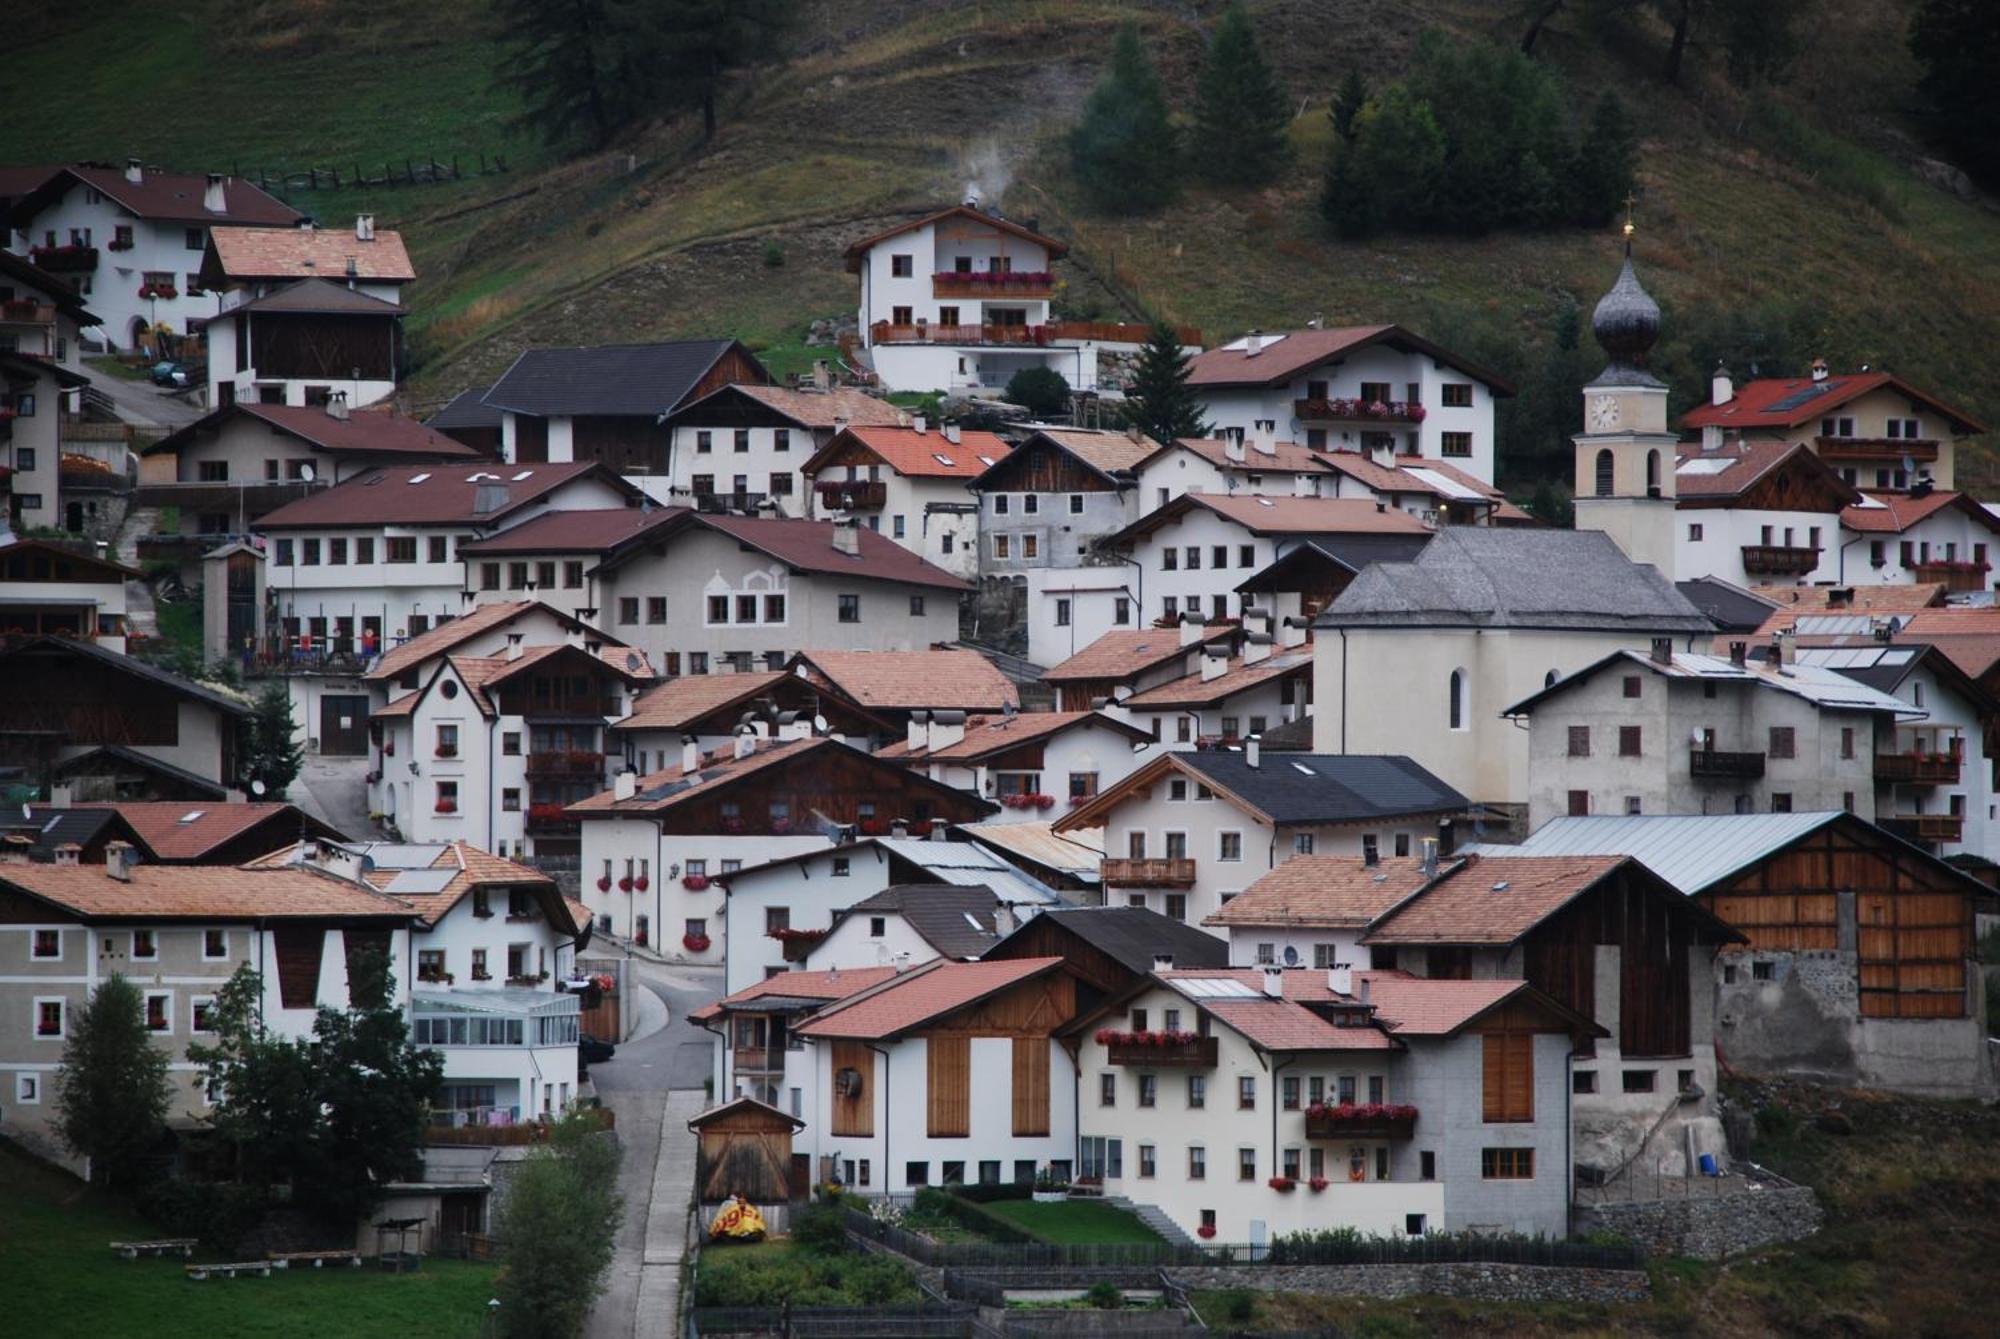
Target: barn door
(343, 725)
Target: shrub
(1105, 1295)
(774, 256)
(1238, 1304)
(820, 1229)
(988, 1192)
(221, 1214)
(1041, 390)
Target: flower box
(732, 824)
(625, 884)
(695, 943)
(1365, 1120)
(604, 884)
(694, 883)
(780, 826)
(447, 806)
(481, 974)
(1317, 1183)
(447, 750)
(874, 827)
(121, 244)
(436, 978)
(1206, 1232)
(1284, 1185)
(642, 883)
(1186, 1050)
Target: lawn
(62, 1281)
(774, 1273)
(1074, 1222)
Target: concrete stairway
(1154, 1217)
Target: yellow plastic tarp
(737, 1219)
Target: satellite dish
(306, 472)
(819, 724)
(256, 788)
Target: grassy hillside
(1803, 207)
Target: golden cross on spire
(1629, 229)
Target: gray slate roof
(956, 921)
(1728, 606)
(1326, 787)
(124, 664)
(1132, 935)
(1481, 577)
(467, 409)
(50, 827)
(608, 379)
(1690, 851)
(1352, 552)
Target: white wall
(1202, 530)
(1718, 552)
(112, 290)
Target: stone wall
(1709, 1229)
(1482, 1282)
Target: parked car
(590, 1050)
(169, 373)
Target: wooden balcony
(1031, 336)
(986, 285)
(1160, 873)
(567, 762)
(1201, 1053)
(1332, 1127)
(19, 311)
(1875, 448)
(859, 494)
(721, 503)
(1954, 576)
(1337, 410)
(1779, 560)
(1918, 769)
(1715, 765)
(1924, 829)
(758, 1059)
(64, 259)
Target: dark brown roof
(432, 494)
(588, 531)
(169, 197)
(808, 546)
(364, 432)
(857, 250)
(1285, 354)
(916, 997)
(317, 296)
(446, 637)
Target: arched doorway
(140, 330)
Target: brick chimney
(119, 857)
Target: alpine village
(991, 669)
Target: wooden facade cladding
(853, 1105)
(627, 443)
(834, 786)
(298, 949)
(1799, 484)
(948, 1086)
(745, 1152)
(1507, 1080)
(1036, 467)
(1095, 974)
(321, 344)
(79, 702)
(1907, 919)
(1652, 929)
(1031, 1086)
(1034, 1008)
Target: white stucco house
(910, 484)
(742, 448)
(49, 590)
(1031, 762)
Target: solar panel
(1214, 988)
(404, 855)
(1804, 397)
(1709, 466)
(422, 880)
(1831, 625)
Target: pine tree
(701, 42)
(1347, 104)
(1349, 211)
(1125, 151)
(273, 755)
(574, 62)
(1605, 163)
(1159, 402)
(1241, 108)
(112, 1090)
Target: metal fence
(837, 1322)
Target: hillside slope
(1796, 222)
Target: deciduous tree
(112, 1089)
(556, 1231)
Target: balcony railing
(1337, 410)
(1001, 285)
(759, 1059)
(1875, 448)
(550, 818)
(27, 310)
(719, 503)
(1779, 559)
(1341, 1123)
(860, 494)
(1052, 332)
(1925, 828)
(1129, 1049)
(1715, 765)
(572, 762)
(64, 259)
(1956, 576)
(1918, 769)
(1155, 873)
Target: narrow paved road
(654, 1085)
(141, 403)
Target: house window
(1781, 802)
(1455, 395)
(1507, 1164)
(1246, 1164)
(159, 1012)
(1175, 906)
(628, 609)
(48, 1018)
(902, 316)
(447, 797)
(850, 609)
(1639, 1080)
(1579, 804)
(1170, 559)
(47, 944)
(1694, 534)
(1290, 1094)
(1632, 685)
(1579, 741)
(1198, 1169)
(1107, 1090)
(1146, 1163)
(1229, 846)
(510, 799)
(1628, 741)
(1784, 741)
(1062, 612)
(1197, 1092)
(901, 266)
(572, 576)
(438, 553)
(402, 549)
(145, 946)
(1246, 1092)
(1149, 1090)
(917, 1173)
(1455, 443)
(1031, 546)
(1455, 687)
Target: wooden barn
(745, 1148)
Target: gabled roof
(1123, 653)
(920, 860)
(441, 494)
(917, 997)
(1107, 453)
(482, 674)
(1412, 1006)
(955, 919)
(1286, 354)
(1038, 844)
(1893, 513)
(746, 1105)
(1492, 900)
(1348, 553)
(64, 564)
(1690, 851)
(22, 271)
(166, 197)
(245, 254)
(911, 680)
(973, 213)
(1280, 516)
(1290, 788)
(446, 637)
(1285, 457)
(31, 366)
(807, 546)
(1282, 1022)
(586, 530)
(25, 647)
(181, 832)
(1481, 577)
(363, 433)
(795, 990)
(609, 380)
(203, 892)
(1736, 466)
(917, 455)
(987, 735)
(806, 408)
(1794, 601)
(469, 868)
(1729, 607)
(1789, 402)
(87, 762)
(318, 297)
(662, 791)
(44, 828)
(1322, 891)
(1132, 936)
(1194, 691)
(683, 702)
(1822, 689)
(467, 409)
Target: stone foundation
(1480, 1282)
(1709, 1229)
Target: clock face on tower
(1603, 413)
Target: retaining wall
(1709, 1229)
(1489, 1283)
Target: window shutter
(949, 1079)
(1031, 1086)
(1509, 1077)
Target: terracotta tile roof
(1796, 600)
(1193, 690)
(475, 868)
(916, 997)
(446, 636)
(818, 409)
(444, 494)
(921, 455)
(908, 680)
(1736, 465)
(182, 830)
(991, 734)
(1893, 513)
(170, 197)
(1492, 899)
(1283, 1023)
(660, 791)
(1103, 450)
(1284, 354)
(1322, 890)
(307, 253)
(1121, 654)
(1791, 402)
(836, 984)
(363, 433)
(1285, 456)
(592, 530)
(398, 708)
(1311, 515)
(1412, 1006)
(676, 703)
(856, 250)
(808, 546)
(202, 892)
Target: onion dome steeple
(1626, 324)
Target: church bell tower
(1625, 453)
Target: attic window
(524, 474)
(1305, 769)
(192, 816)
(1502, 886)
(419, 478)
(944, 460)
(1265, 502)
(986, 460)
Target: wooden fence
(427, 171)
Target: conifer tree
(1241, 108)
(1605, 163)
(1125, 151)
(112, 1090)
(1347, 104)
(1159, 402)
(273, 755)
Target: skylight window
(986, 460)
(419, 478)
(1265, 502)
(523, 475)
(944, 460)
(192, 816)
(1305, 769)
